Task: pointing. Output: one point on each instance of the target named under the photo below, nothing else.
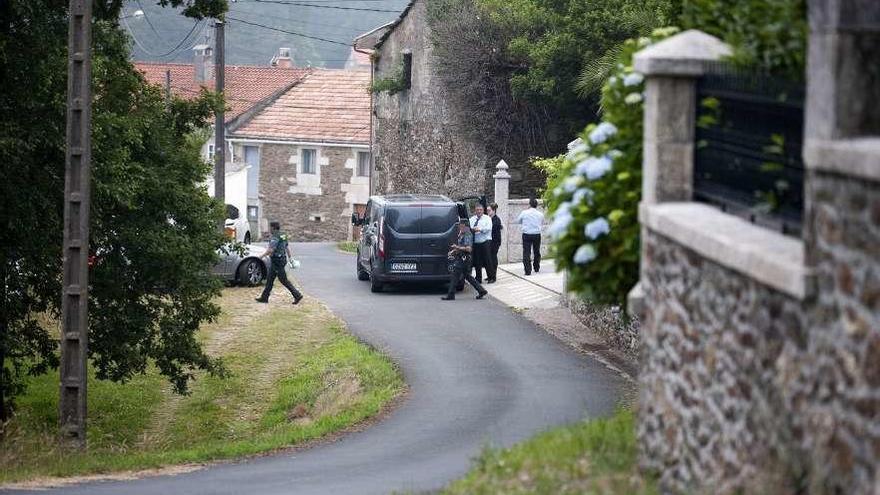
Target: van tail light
(230, 232)
(382, 238)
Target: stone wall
(761, 352)
(309, 208)
(717, 375)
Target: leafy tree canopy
(511, 68)
(768, 34)
(153, 228)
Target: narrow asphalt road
(478, 373)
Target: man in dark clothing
(460, 253)
(495, 243)
(278, 253)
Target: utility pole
(77, 177)
(219, 122)
(168, 87)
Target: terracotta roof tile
(246, 85)
(327, 105)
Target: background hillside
(165, 35)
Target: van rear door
(439, 230)
(402, 231)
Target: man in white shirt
(531, 220)
(481, 225)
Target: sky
(164, 35)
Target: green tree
(512, 68)
(766, 34)
(153, 226)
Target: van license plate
(403, 267)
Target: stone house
(760, 351)
(310, 149)
(417, 144)
(249, 88)
(301, 135)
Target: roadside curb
(529, 281)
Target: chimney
(202, 61)
(283, 59)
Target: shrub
(593, 194)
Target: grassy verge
(347, 246)
(297, 375)
(591, 457)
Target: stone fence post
(502, 196)
(671, 69)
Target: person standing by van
(278, 253)
(460, 253)
(481, 225)
(495, 243)
(531, 220)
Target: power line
(161, 55)
(325, 40)
(317, 6)
(347, 30)
(147, 18)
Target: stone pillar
(501, 196)
(671, 69)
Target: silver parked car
(249, 269)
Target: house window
(308, 161)
(363, 169)
(210, 152)
(253, 213)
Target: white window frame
(362, 172)
(314, 162)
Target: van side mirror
(232, 212)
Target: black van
(406, 237)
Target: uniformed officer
(278, 253)
(460, 253)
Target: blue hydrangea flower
(584, 254)
(633, 79)
(596, 228)
(570, 184)
(602, 132)
(632, 98)
(560, 224)
(582, 194)
(594, 167)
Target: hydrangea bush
(593, 192)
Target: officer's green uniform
(461, 267)
(278, 244)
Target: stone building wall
(306, 211)
(417, 145)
